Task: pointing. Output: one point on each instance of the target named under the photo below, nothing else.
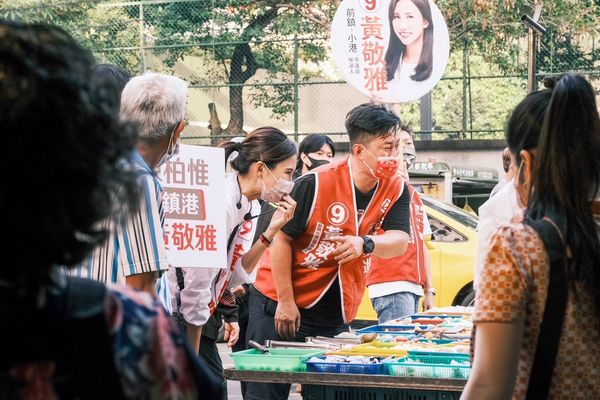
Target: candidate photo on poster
(417, 52)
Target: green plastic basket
(428, 367)
(422, 353)
(288, 360)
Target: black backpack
(70, 331)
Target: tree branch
(311, 16)
(259, 22)
(223, 63)
(242, 56)
(214, 123)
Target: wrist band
(265, 241)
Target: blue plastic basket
(424, 316)
(318, 392)
(436, 341)
(346, 368)
(391, 329)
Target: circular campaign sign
(393, 51)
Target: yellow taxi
(452, 251)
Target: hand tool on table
(300, 345)
(259, 347)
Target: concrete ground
(233, 387)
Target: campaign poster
(393, 51)
(193, 198)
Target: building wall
(463, 153)
(470, 158)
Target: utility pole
(535, 30)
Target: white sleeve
(426, 226)
(196, 294)
(232, 197)
(244, 237)
(488, 223)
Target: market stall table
(325, 386)
(418, 357)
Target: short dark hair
(266, 144)
(66, 119)
(113, 72)
(312, 143)
(368, 121)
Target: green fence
(256, 63)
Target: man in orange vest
(312, 279)
(396, 285)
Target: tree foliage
(494, 29)
(250, 48)
(247, 36)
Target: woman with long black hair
(409, 55)
(537, 308)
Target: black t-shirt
(329, 307)
(304, 191)
(263, 219)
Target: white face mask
(274, 195)
(172, 150)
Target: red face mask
(386, 166)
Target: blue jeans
(396, 305)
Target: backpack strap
(85, 298)
(69, 331)
(554, 310)
(85, 307)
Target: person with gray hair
(134, 254)
(155, 104)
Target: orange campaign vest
(411, 265)
(333, 212)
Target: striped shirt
(135, 244)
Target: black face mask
(315, 163)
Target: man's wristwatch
(368, 245)
(430, 290)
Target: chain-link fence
(257, 63)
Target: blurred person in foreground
(67, 337)
(536, 319)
